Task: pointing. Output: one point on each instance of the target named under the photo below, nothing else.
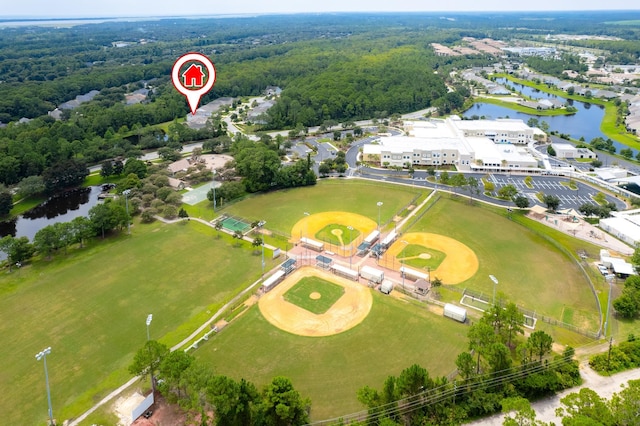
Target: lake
(62, 207)
(585, 123)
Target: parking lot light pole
(495, 283)
(42, 355)
(609, 278)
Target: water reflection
(63, 207)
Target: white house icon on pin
(193, 76)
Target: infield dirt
(348, 311)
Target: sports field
(394, 335)
(282, 209)
(531, 271)
(91, 310)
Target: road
(546, 408)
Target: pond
(62, 207)
(585, 123)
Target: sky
(152, 8)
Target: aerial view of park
(331, 218)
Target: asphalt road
(546, 408)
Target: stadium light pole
(401, 272)
(609, 279)
(153, 385)
(213, 186)
(262, 244)
(306, 229)
(495, 283)
(42, 355)
(126, 193)
(379, 204)
(350, 228)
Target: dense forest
(338, 67)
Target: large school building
(467, 144)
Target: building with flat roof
(625, 226)
(467, 144)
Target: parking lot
(569, 198)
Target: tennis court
(233, 224)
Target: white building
(624, 225)
(566, 150)
(467, 144)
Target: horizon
(255, 14)
(122, 9)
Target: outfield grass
(326, 234)
(300, 294)
(413, 251)
(282, 209)
(330, 370)
(90, 307)
(532, 272)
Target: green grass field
(282, 209)
(330, 370)
(519, 258)
(300, 294)
(410, 256)
(337, 235)
(91, 306)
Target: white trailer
(273, 280)
(455, 312)
(386, 287)
(391, 237)
(344, 272)
(372, 274)
(312, 244)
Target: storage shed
(455, 312)
(386, 287)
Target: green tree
(583, 408)
(481, 337)
(521, 201)
(135, 166)
(514, 322)
(625, 404)
(552, 201)
(17, 249)
(147, 360)
(82, 229)
(31, 185)
(171, 368)
(523, 414)
(46, 241)
(539, 343)
(6, 201)
(465, 365)
(282, 405)
(507, 192)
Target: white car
(603, 269)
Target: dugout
(372, 237)
(362, 249)
(288, 266)
(323, 262)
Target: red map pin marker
(193, 81)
